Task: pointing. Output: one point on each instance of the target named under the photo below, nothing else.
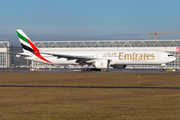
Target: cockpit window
(170, 55)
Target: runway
(104, 87)
(59, 70)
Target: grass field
(88, 103)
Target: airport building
(4, 57)
(171, 46)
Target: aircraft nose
(174, 58)
(171, 59)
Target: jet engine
(119, 66)
(101, 64)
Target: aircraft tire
(161, 69)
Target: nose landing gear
(162, 67)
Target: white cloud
(46, 28)
(13, 38)
(42, 33)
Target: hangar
(171, 46)
(4, 58)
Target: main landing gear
(90, 69)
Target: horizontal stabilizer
(21, 54)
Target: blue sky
(89, 19)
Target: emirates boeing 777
(99, 59)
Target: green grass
(87, 103)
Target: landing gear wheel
(90, 69)
(85, 69)
(162, 70)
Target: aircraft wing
(70, 57)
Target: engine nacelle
(119, 66)
(102, 64)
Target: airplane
(99, 59)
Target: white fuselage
(125, 57)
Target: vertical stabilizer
(28, 47)
(26, 43)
